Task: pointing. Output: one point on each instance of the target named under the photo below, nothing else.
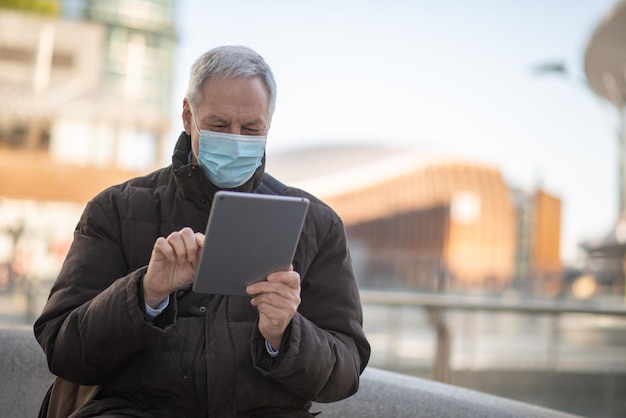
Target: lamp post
(618, 100)
(605, 76)
(605, 68)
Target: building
(537, 260)
(85, 95)
(90, 90)
(433, 223)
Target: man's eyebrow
(214, 118)
(254, 122)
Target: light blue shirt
(152, 313)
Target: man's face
(231, 105)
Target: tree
(46, 7)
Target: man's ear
(187, 116)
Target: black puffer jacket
(204, 356)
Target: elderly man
(123, 330)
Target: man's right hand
(172, 265)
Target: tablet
(248, 236)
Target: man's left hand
(277, 300)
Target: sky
(449, 76)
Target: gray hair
(230, 62)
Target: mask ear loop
(195, 124)
(191, 153)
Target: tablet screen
(248, 236)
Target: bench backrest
(25, 376)
(25, 379)
(387, 394)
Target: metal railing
(435, 305)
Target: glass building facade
(102, 88)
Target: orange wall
(33, 175)
(546, 246)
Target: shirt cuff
(152, 313)
(270, 350)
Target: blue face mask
(229, 160)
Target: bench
(25, 379)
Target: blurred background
(475, 150)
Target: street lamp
(605, 71)
(605, 68)
(551, 67)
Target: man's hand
(172, 265)
(277, 300)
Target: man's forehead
(250, 88)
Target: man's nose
(235, 129)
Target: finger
(264, 286)
(284, 297)
(271, 299)
(175, 239)
(285, 289)
(199, 239)
(190, 243)
(163, 249)
(184, 245)
(290, 278)
(275, 314)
